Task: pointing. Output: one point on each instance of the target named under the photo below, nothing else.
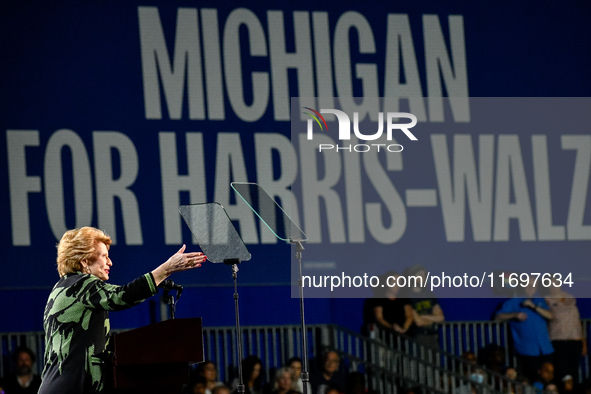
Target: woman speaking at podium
(76, 319)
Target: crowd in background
(326, 378)
(547, 334)
(548, 342)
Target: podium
(156, 358)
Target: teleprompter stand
(219, 240)
(234, 263)
(282, 227)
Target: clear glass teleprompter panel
(271, 213)
(212, 228)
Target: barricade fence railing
(388, 361)
(457, 337)
(394, 362)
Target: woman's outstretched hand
(180, 261)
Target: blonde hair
(78, 245)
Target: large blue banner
(114, 114)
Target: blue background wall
(79, 66)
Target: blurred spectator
(511, 373)
(426, 309)
(523, 382)
(468, 363)
(566, 333)
(493, 358)
(392, 313)
(252, 375)
(545, 376)
(283, 383)
(527, 316)
(369, 319)
(567, 385)
(198, 386)
(208, 371)
(23, 380)
(331, 390)
(295, 366)
(472, 374)
(551, 388)
(328, 376)
(221, 390)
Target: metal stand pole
(233, 263)
(305, 372)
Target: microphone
(168, 284)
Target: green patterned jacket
(76, 324)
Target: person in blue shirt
(528, 316)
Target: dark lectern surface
(156, 358)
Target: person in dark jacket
(76, 318)
(23, 380)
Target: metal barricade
(389, 361)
